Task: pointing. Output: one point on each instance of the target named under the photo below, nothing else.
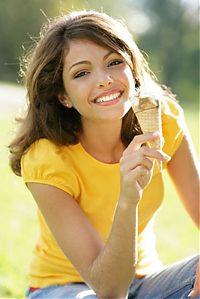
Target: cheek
(72, 87)
(79, 86)
(78, 95)
(74, 91)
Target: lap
(67, 291)
(172, 282)
(175, 281)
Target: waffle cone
(148, 113)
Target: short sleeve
(47, 163)
(173, 124)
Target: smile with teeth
(108, 98)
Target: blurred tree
(166, 30)
(20, 20)
(172, 44)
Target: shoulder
(49, 163)
(41, 146)
(173, 124)
(43, 151)
(171, 108)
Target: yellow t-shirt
(95, 186)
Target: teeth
(108, 98)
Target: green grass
(18, 225)
(177, 236)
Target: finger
(136, 173)
(196, 289)
(143, 180)
(138, 140)
(194, 293)
(129, 162)
(155, 154)
(142, 176)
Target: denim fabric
(67, 291)
(173, 282)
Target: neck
(102, 140)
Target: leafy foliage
(169, 35)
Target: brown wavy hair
(42, 69)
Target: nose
(104, 80)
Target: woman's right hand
(136, 166)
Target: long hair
(43, 66)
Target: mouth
(108, 99)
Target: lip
(110, 103)
(108, 93)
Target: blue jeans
(172, 282)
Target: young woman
(86, 162)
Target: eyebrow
(87, 62)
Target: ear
(64, 100)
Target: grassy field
(177, 236)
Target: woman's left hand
(196, 289)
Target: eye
(81, 74)
(115, 62)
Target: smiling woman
(100, 78)
(90, 169)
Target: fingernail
(191, 294)
(167, 158)
(157, 133)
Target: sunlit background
(168, 34)
(166, 30)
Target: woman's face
(98, 82)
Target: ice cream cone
(148, 112)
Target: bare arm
(184, 172)
(108, 268)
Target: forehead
(84, 48)
(80, 45)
